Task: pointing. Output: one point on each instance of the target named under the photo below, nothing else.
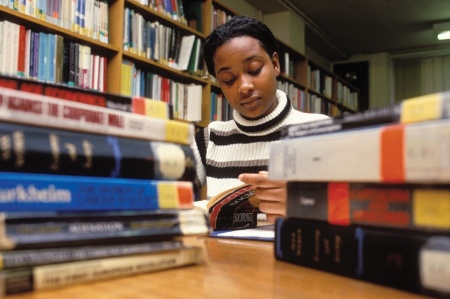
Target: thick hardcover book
(411, 206)
(422, 108)
(236, 208)
(26, 148)
(35, 257)
(397, 153)
(45, 192)
(412, 262)
(65, 274)
(27, 230)
(33, 109)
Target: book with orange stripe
(424, 207)
(47, 192)
(397, 153)
(39, 110)
(417, 109)
(151, 107)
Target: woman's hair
(236, 27)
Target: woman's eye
(257, 71)
(229, 82)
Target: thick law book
(424, 207)
(409, 261)
(45, 192)
(66, 274)
(34, 149)
(417, 109)
(27, 230)
(236, 208)
(32, 109)
(396, 153)
(45, 256)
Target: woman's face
(247, 76)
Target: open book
(235, 208)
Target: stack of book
(369, 195)
(90, 193)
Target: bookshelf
(296, 67)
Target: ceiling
(336, 29)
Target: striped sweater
(225, 149)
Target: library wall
(244, 8)
(381, 86)
(288, 27)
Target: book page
(261, 233)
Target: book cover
(193, 102)
(28, 230)
(424, 207)
(29, 40)
(42, 56)
(35, 61)
(186, 48)
(22, 42)
(44, 192)
(33, 109)
(49, 151)
(236, 208)
(412, 262)
(65, 274)
(417, 109)
(396, 153)
(45, 256)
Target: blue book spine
(42, 56)
(83, 17)
(44, 192)
(51, 42)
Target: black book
(52, 151)
(414, 262)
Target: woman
(242, 55)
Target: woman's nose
(246, 86)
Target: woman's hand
(272, 194)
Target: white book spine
(58, 275)
(28, 108)
(409, 153)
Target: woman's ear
(276, 63)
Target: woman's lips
(251, 103)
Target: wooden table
(233, 269)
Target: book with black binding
(235, 208)
(414, 262)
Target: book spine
(413, 262)
(44, 192)
(22, 232)
(22, 54)
(149, 107)
(41, 110)
(35, 257)
(400, 153)
(410, 206)
(41, 150)
(427, 107)
(65, 274)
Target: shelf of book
(193, 17)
